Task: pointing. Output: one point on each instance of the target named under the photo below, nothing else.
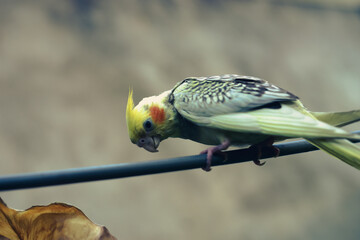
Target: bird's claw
(258, 162)
(207, 168)
(258, 148)
(210, 152)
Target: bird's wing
(286, 121)
(242, 104)
(226, 94)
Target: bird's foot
(259, 147)
(210, 152)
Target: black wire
(123, 170)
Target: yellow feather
(134, 118)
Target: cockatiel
(237, 110)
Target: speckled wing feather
(226, 94)
(246, 104)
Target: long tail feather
(342, 149)
(338, 119)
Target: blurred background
(65, 71)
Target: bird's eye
(148, 125)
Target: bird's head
(149, 122)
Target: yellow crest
(134, 118)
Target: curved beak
(149, 143)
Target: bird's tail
(343, 149)
(338, 119)
(340, 148)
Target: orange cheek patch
(157, 114)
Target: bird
(237, 110)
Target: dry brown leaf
(55, 221)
